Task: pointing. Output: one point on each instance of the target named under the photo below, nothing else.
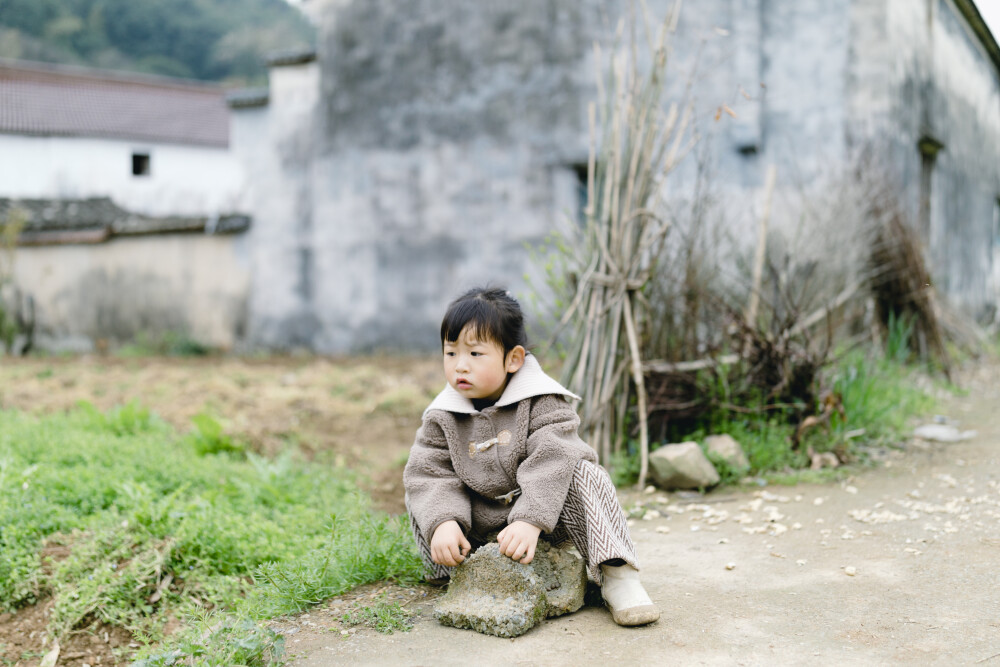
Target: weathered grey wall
(448, 130)
(918, 72)
(187, 284)
(433, 139)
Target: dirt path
(895, 566)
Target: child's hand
(448, 544)
(518, 540)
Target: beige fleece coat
(511, 462)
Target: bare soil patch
(24, 641)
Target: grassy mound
(121, 520)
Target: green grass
(385, 617)
(881, 394)
(167, 343)
(145, 524)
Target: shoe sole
(632, 616)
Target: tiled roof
(95, 220)
(59, 100)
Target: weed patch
(880, 394)
(154, 524)
(385, 617)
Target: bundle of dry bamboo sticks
(636, 140)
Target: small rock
(730, 566)
(663, 529)
(942, 433)
(682, 466)
(726, 448)
(850, 570)
(820, 460)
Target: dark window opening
(140, 164)
(929, 149)
(580, 171)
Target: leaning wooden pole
(640, 387)
(758, 260)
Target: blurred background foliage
(212, 40)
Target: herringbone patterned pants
(591, 518)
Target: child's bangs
(479, 315)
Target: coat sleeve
(434, 492)
(554, 449)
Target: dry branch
(634, 144)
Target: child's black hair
(493, 313)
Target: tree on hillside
(218, 40)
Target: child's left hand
(518, 540)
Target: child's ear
(515, 359)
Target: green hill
(215, 40)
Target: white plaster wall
(275, 143)
(183, 180)
(181, 283)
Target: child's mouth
(464, 384)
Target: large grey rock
(682, 466)
(726, 448)
(492, 594)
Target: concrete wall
(185, 284)
(276, 144)
(430, 142)
(440, 143)
(183, 180)
(933, 79)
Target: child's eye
(449, 354)
(477, 354)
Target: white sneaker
(625, 596)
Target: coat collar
(527, 382)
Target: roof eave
(981, 29)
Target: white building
(154, 145)
(126, 186)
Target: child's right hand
(448, 544)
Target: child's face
(477, 369)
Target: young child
(499, 450)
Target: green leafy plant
(209, 437)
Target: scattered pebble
(850, 570)
(663, 529)
(730, 566)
